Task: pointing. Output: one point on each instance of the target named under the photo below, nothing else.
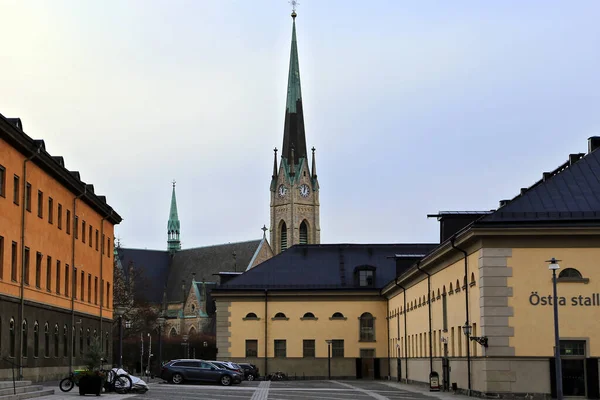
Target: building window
(308, 348)
(572, 348)
(1, 257)
(445, 311)
(36, 340)
(251, 316)
(16, 185)
(38, 270)
(308, 315)
(102, 244)
(367, 327)
(26, 266)
(251, 348)
(83, 231)
(97, 239)
(57, 276)
(82, 297)
(75, 283)
(337, 348)
(65, 341)
(106, 346)
(50, 210)
(67, 280)
(25, 343)
(11, 332)
(96, 290)
(89, 288)
(338, 315)
(90, 236)
(48, 273)
(68, 222)
(28, 197)
(280, 348)
(303, 233)
(571, 275)
(76, 227)
(108, 247)
(40, 204)
(107, 295)
(283, 238)
(81, 341)
(13, 262)
(2, 181)
(46, 340)
(281, 316)
(59, 216)
(366, 278)
(56, 340)
(88, 338)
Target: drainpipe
(388, 340)
(73, 287)
(452, 239)
(266, 322)
(101, 277)
(428, 306)
(22, 299)
(405, 332)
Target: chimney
(573, 158)
(593, 143)
(503, 202)
(546, 176)
(523, 191)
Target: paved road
(288, 390)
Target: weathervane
(174, 182)
(294, 3)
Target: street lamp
(149, 353)
(329, 341)
(161, 322)
(482, 340)
(120, 310)
(185, 343)
(553, 266)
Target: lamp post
(120, 310)
(149, 353)
(329, 358)
(161, 322)
(553, 266)
(185, 344)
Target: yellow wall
(533, 325)
(295, 330)
(46, 238)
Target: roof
(324, 266)
(569, 193)
(207, 261)
(154, 271)
(11, 130)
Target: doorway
(367, 363)
(572, 354)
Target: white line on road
(367, 392)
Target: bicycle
(121, 383)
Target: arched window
(309, 315)
(88, 338)
(251, 315)
(444, 291)
(192, 331)
(438, 295)
(46, 340)
(367, 327)
(283, 238)
(451, 290)
(570, 273)
(337, 315)
(95, 334)
(56, 340)
(424, 300)
(280, 315)
(81, 341)
(12, 337)
(73, 341)
(36, 339)
(457, 285)
(173, 332)
(65, 341)
(303, 233)
(472, 279)
(25, 341)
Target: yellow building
(56, 264)
(475, 309)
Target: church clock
(282, 191)
(304, 190)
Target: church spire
(173, 226)
(293, 131)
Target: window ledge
(309, 319)
(338, 318)
(279, 319)
(573, 280)
(367, 341)
(472, 284)
(251, 319)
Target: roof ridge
(136, 248)
(221, 244)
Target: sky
(413, 107)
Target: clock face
(282, 191)
(304, 190)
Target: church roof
(154, 271)
(324, 266)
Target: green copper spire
(293, 131)
(173, 226)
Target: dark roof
(11, 130)
(324, 266)
(154, 266)
(569, 193)
(206, 262)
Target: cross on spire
(174, 182)
(264, 229)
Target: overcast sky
(414, 107)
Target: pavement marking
(367, 392)
(262, 392)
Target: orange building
(56, 260)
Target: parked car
(250, 371)
(228, 365)
(178, 371)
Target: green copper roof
(173, 226)
(293, 93)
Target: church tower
(294, 185)
(173, 226)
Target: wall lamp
(482, 340)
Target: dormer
(364, 276)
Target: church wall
(263, 255)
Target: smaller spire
(275, 163)
(173, 225)
(314, 163)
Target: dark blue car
(178, 371)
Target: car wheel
(177, 379)
(250, 377)
(225, 380)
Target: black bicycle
(121, 383)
